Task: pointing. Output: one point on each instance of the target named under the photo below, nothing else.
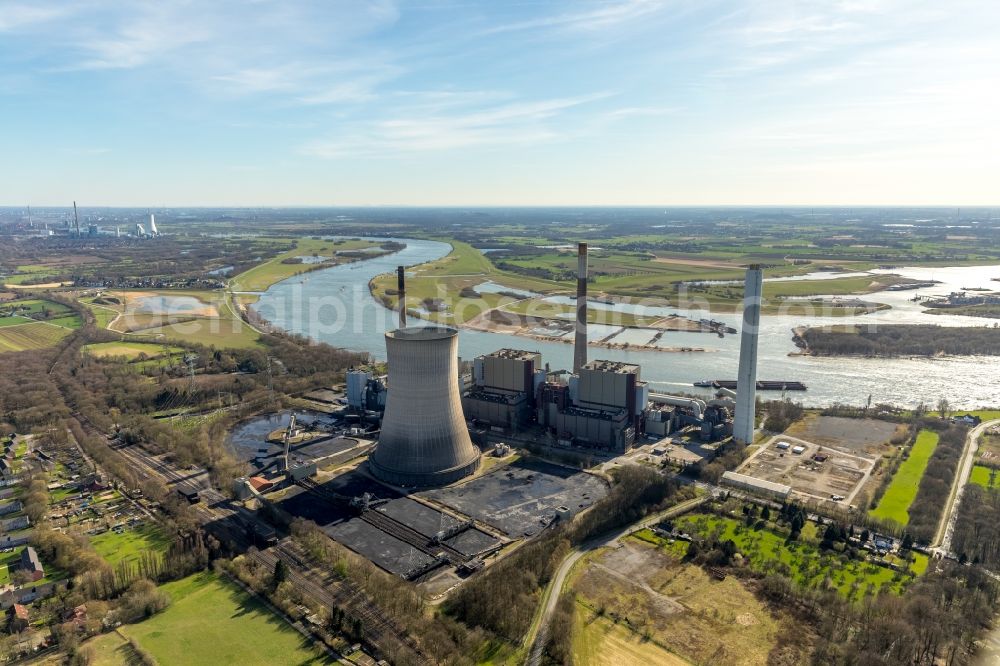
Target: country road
(946, 528)
(550, 597)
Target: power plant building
(504, 383)
(365, 392)
(601, 406)
(424, 439)
(605, 405)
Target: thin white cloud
(641, 111)
(14, 16)
(226, 47)
(140, 42)
(506, 124)
(603, 16)
(251, 80)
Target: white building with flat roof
(755, 485)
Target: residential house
(17, 618)
(31, 564)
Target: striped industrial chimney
(401, 288)
(580, 342)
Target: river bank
(898, 340)
(549, 330)
(308, 255)
(334, 306)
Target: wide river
(333, 305)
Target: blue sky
(520, 102)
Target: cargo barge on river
(762, 385)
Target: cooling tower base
(422, 480)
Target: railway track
(389, 525)
(323, 588)
(409, 535)
(329, 591)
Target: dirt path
(666, 604)
(538, 636)
(946, 528)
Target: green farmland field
(128, 546)
(212, 621)
(898, 497)
(22, 327)
(37, 306)
(36, 335)
(130, 350)
(982, 476)
(223, 332)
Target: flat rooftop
(521, 498)
(517, 354)
(617, 367)
(764, 484)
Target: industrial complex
(601, 405)
(405, 483)
(92, 227)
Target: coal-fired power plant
(424, 439)
(746, 382)
(580, 342)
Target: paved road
(552, 593)
(946, 528)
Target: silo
(424, 439)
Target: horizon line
(521, 205)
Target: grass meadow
(898, 497)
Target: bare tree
(944, 407)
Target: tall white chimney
(746, 382)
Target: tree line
(890, 340)
(935, 485)
(977, 530)
(503, 598)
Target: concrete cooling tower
(424, 440)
